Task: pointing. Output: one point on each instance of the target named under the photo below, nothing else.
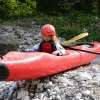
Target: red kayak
(27, 65)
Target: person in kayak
(50, 43)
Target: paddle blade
(75, 38)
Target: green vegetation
(70, 18)
(13, 8)
(68, 26)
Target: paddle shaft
(82, 50)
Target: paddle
(74, 39)
(77, 38)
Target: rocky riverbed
(82, 83)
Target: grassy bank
(67, 26)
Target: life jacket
(47, 46)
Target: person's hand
(55, 52)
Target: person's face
(47, 37)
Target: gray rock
(8, 44)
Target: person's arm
(60, 49)
(34, 48)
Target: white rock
(70, 83)
(53, 93)
(78, 96)
(97, 78)
(25, 98)
(10, 94)
(95, 69)
(48, 85)
(56, 89)
(22, 93)
(83, 76)
(86, 92)
(58, 97)
(31, 94)
(41, 95)
(97, 75)
(13, 86)
(62, 84)
(62, 79)
(39, 85)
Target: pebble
(83, 76)
(82, 83)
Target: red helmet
(48, 30)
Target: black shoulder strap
(41, 50)
(53, 46)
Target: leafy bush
(55, 6)
(9, 8)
